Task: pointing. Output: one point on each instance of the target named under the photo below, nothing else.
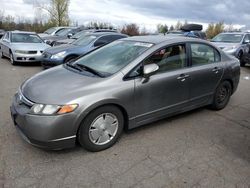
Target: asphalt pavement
(201, 148)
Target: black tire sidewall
(12, 57)
(83, 133)
(216, 105)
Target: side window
(169, 58)
(6, 37)
(204, 54)
(107, 39)
(246, 39)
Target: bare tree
(58, 11)
(131, 30)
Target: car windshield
(63, 32)
(50, 30)
(79, 34)
(25, 38)
(83, 41)
(113, 57)
(230, 38)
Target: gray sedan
(126, 84)
(22, 46)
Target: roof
(157, 39)
(23, 32)
(235, 33)
(105, 33)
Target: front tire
(101, 128)
(12, 61)
(1, 54)
(222, 96)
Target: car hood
(66, 41)
(53, 37)
(59, 86)
(29, 46)
(223, 45)
(61, 48)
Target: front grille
(32, 52)
(22, 100)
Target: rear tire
(222, 96)
(101, 128)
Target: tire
(1, 54)
(96, 134)
(222, 96)
(241, 59)
(12, 61)
(70, 59)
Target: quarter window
(204, 54)
(169, 58)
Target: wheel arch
(95, 106)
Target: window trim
(127, 77)
(190, 53)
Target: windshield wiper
(69, 64)
(93, 71)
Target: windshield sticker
(147, 45)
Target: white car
(22, 46)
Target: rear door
(206, 70)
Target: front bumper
(48, 132)
(18, 57)
(46, 63)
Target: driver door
(166, 91)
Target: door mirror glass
(5, 40)
(150, 69)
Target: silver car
(123, 85)
(22, 46)
(234, 43)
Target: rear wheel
(222, 95)
(101, 128)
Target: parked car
(65, 53)
(22, 46)
(52, 31)
(2, 32)
(125, 84)
(235, 43)
(60, 35)
(190, 30)
(81, 34)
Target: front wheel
(101, 128)
(222, 95)
(1, 54)
(12, 60)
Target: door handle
(216, 70)
(182, 77)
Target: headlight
(46, 109)
(21, 52)
(58, 55)
(230, 48)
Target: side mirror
(5, 40)
(69, 35)
(150, 69)
(246, 41)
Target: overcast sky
(144, 12)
